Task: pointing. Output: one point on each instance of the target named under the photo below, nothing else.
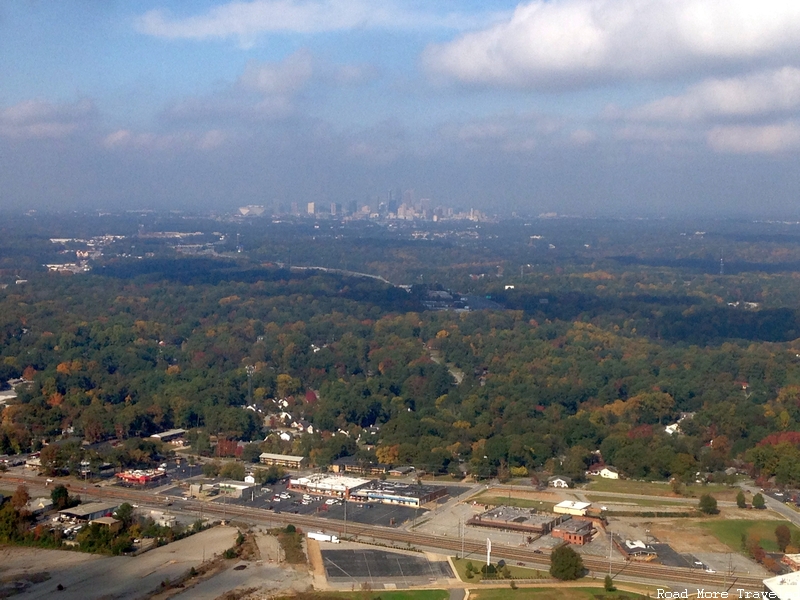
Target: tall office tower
(311, 208)
(295, 208)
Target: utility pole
(461, 528)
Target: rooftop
(521, 516)
(396, 488)
(572, 504)
(84, 510)
(574, 525)
(786, 587)
(334, 483)
(271, 456)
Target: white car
(330, 501)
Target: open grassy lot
(516, 572)
(648, 488)
(373, 595)
(496, 500)
(730, 532)
(605, 499)
(554, 593)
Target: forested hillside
(583, 355)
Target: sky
(582, 107)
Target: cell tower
(722, 264)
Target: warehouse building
(393, 492)
(511, 518)
(572, 508)
(337, 486)
(89, 511)
(574, 531)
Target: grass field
(561, 593)
(374, 595)
(730, 532)
(519, 502)
(648, 488)
(516, 572)
(604, 499)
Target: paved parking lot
(357, 512)
(377, 566)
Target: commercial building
(112, 524)
(169, 435)
(573, 508)
(89, 511)
(394, 492)
(237, 489)
(282, 460)
(574, 531)
(516, 519)
(338, 486)
(141, 477)
(784, 587)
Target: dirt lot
(89, 577)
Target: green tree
(125, 514)
(608, 584)
(212, 469)
(60, 497)
(566, 564)
(708, 505)
(251, 453)
(740, 501)
(783, 536)
(758, 502)
(233, 470)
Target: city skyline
(569, 106)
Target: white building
(784, 587)
(609, 473)
(571, 507)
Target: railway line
(599, 566)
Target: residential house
(559, 481)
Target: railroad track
(599, 566)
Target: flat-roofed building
(112, 524)
(573, 508)
(282, 460)
(527, 520)
(395, 492)
(574, 531)
(338, 486)
(784, 587)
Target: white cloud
(283, 78)
(41, 119)
(762, 93)
(573, 43)
(246, 20)
(184, 140)
(765, 139)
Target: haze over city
(573, 106)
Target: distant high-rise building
(311, 208)
(336, 209)
(295, 208)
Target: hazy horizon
(584, 107)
